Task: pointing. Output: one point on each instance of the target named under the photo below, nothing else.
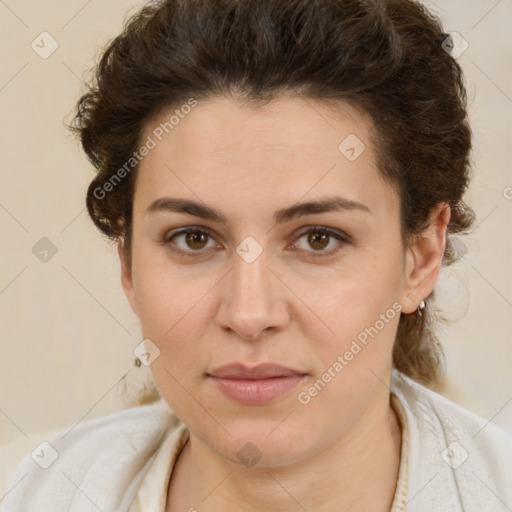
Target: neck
(358, 472)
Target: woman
(282, 179)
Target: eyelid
(185, 230)
(331, 231)
(342, 238)
(166, 240)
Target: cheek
(359, 290)
(166, 304)
(360, 307)
(169, 315)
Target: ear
(424, 258)
(126, 277)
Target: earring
(421, 306)
(137, 362)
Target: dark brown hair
(385, 57)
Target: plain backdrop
(66, 329)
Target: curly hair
(386, 57)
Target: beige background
(67, 331)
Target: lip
(255, 385)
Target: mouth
(255, 385)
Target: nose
(253, 299)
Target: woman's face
(316, 290)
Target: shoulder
(463, 458)
(98, 461)
(454, 419)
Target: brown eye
(318, 240)
(188, 242)
(196, 239)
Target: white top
(451, 460)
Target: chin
(259, 443)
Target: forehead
(288, 148)
(227, 124)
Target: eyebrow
(330, 204)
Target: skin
(340, 451)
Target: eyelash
(343, 239)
